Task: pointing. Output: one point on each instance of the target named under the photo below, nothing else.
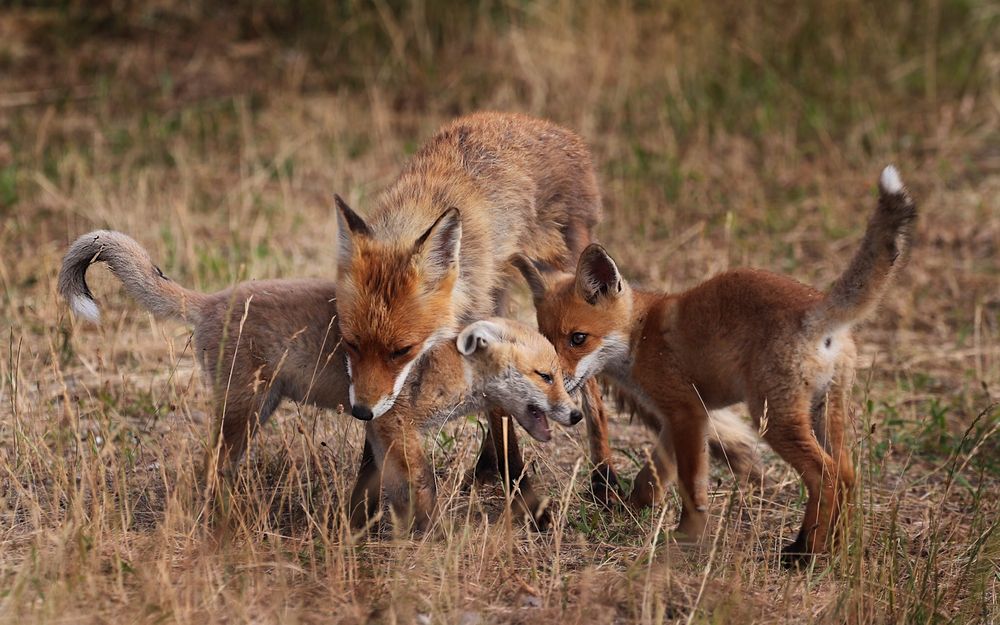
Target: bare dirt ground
(725, 135)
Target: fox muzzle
(364, 413)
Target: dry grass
(726, 133)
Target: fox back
(596, 320)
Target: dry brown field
(725, 134)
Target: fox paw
(604, 487)
(795, 554)
(542, 520)
(538, 515)
(478, 476)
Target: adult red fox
(263, 341)
(745, 335)
(434, 252)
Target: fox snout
(376, 385)
(369, 400)
(535, 419)
(364, 413)
(574, 372)
(572, 384)
(565, 413)
(367, 410)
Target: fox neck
(642, 308)
(448, 396)
(476, 386)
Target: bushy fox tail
(884, 250)
(131, 264)
(733, 442)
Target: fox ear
(478, 336)
(597, 275)
(349, 225)
(438, 248)
(536, 282)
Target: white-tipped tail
(883, 251)
(889, 181)
(85, 307)
(130, 263)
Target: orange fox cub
(746, 335)
(262, 341)
(434, 252)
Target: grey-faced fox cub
(746, 335)
(263, 341)
(494, 363)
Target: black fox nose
(362, 412)
(575, 416)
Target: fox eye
(351, 347)
(402, 351)
(577, 338)
(546, 377)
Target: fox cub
(745, 335)
(262, 341)
(494, 363)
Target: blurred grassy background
(724, 133)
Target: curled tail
(884, 250)
(131, 264)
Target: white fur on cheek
(387, 402)
(350, 376)
(467, 375)
(584, 368)
(612, 350)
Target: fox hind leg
(238, 420)
(789, 433)
(830, 417)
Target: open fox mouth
(539, 427)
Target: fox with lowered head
(433, 253)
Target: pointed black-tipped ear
(534, 278)
(437, 249)
(349, 225)
(477, 336)
(597, 275)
